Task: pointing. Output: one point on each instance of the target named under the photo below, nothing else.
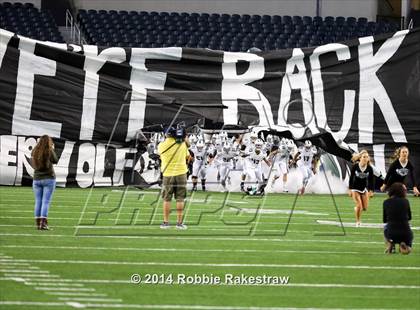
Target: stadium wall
(359, 8)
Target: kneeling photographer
(173, 153)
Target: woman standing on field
(43, 158)
(361, 183)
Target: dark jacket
(397, 213)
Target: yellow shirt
(174, 159)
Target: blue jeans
(43, 190)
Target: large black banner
(92, 100)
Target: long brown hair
(41, 153)
(397, 153)
(356, 156)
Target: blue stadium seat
(317, 21)
(222, 31)
(27, 20)
(287, 19)
(362, 20)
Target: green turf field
(101, 237)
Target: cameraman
(173, 153)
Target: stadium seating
(221, 31)
(229, 32)
(27, 20)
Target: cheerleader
(361, 183)
(398, 171)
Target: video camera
(177, 132)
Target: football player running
(306, 162)
(224, 160)
(253, 166)
(201, 156)
(280, 163)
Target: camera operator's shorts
(174, 185)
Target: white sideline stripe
(79, 211)
(157, 306)
(180, 249)
(363, 225)
(82, 289)
(53, 283)
(200, 227)
(10, 264)
(198, 238)
(273, 211)
(39, 281)
(196, 213)
(310, 223)
(154, 225)
(334, 285)
(317, 285)
(54, 261)
(233, 210)
(75, 294)
(75, 304)
(205, 228)
(23, 271)
(208, 206)
(194, 227)
(90, 299)
(157, 214)
(12, 267)
(32, 275)
(16, 279)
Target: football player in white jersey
(152, 153)
(280, 163)
(200, 163)
(236, 144)
(250, 144)
(217, 148)
(306, 163)
(224, 160)
(214, 138)
(253, 165)
(266, 169)
(223, 135)
(209, 146)
(247, 148)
